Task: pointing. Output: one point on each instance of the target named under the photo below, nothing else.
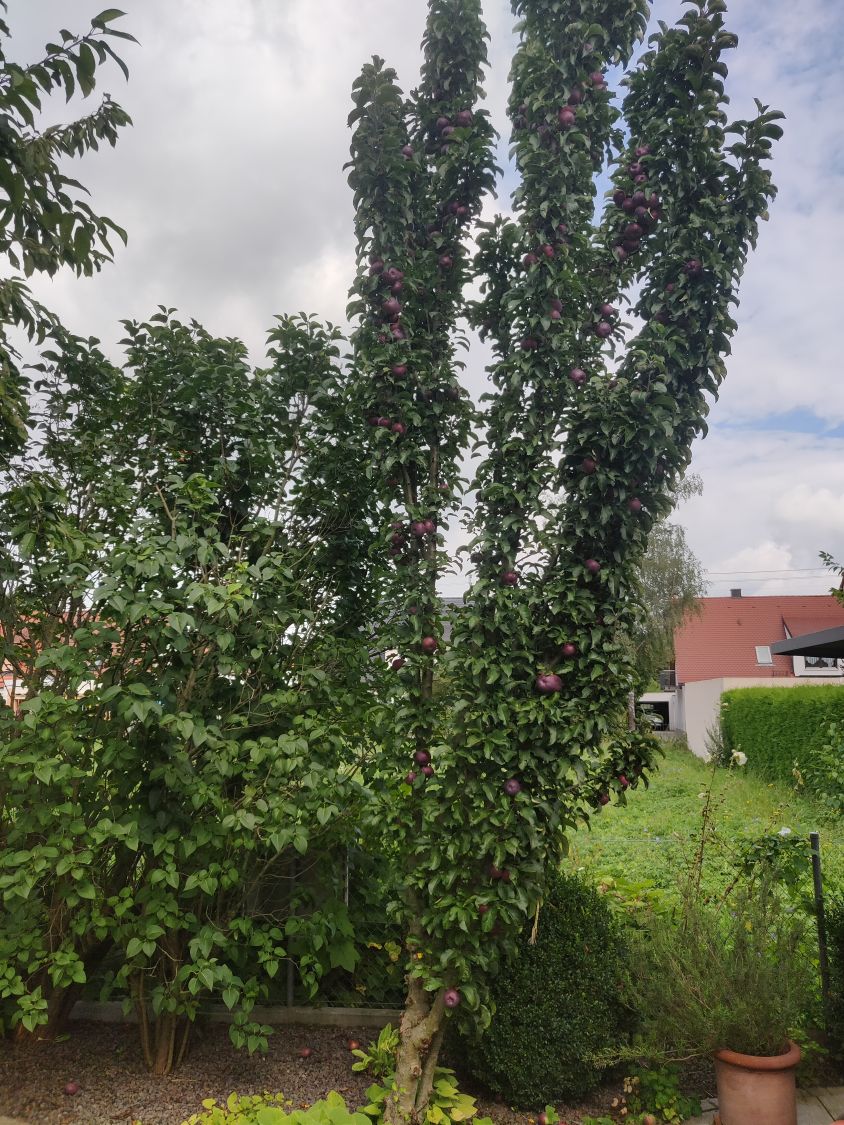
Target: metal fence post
(823, 956)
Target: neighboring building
(728, 645)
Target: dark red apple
(448, 131)
(430, 527)
(529, 344)
(593, 566)
(445, 261)
(597, 79)
(620, 253)
(635, 169)
(384, 423)
(413, 610)
(566, 117)
(628, 205)
(71, 1089)
(548, 250)
(394, 274)
(576, 96)
(353, 1045)
(464, 118)
(623, 782)
(643, 150)
(556, 304)
(548, 683)
(569, 649)
(398, 662)
(604, 799)
(562, 229)
(399, 369)
(603, 329)
(608, 311)
(429, 645)
(510, 578)
(529, 260)
(555, 314)
(577, 375)
(640, 179)
(633, 231)
(442, 123)
(305, 1052)
(635, 504)
(422, 757)
(589, 465)
(639, 199)
(451, 997)
(618, 197)
(482, 908)
(407, 152)
(417, 528)
(427, 771)
(542, 1118)
(512, 787)
(399, 428)
(409, 777)
(398, 332)
(376, 268)
(693, 268)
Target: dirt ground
(115, 1088)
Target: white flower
(784, 832)
(738, 758)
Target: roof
(823, 642)
(722, 639)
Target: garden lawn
(649, 842)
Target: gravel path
(115, 1088)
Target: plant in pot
(729, 979)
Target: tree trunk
(421, 1032)
(164, 1055)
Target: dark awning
(827, 642)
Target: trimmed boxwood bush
(775, 727)
(556, 1004)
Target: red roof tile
(722, 639)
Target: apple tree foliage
(45, 221)
(182, 600)
(580, 442)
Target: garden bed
(115, 1088)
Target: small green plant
(275, 1109)
(446, 1104)
(380, 1056)
(658, 1092)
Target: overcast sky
(231, 187)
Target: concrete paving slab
(12, 1121)
(810, 1110)
(832, 1098)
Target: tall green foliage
(778, 727)
(530, 737)
(45, 222)
(180, 613)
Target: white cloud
(231, 187)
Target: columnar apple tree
(583, 437)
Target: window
(763, 654)
(816, 666)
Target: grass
(649, 842)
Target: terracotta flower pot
(757, 1089)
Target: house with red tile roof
(728, 645)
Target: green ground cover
(648, 843)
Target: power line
(771, 570)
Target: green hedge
(559, 1002)
(775, 727)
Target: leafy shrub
(274, 1109)
(835, 940)
(559, 1002)
(657, 1091)
(775, 727)
(447, 1105)
(821, 773)
(738, 973)
(380, 1057)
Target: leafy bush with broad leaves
(559, 1001)
(181, 617)
(777, 728)
(275, 1109)
(820, 771)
